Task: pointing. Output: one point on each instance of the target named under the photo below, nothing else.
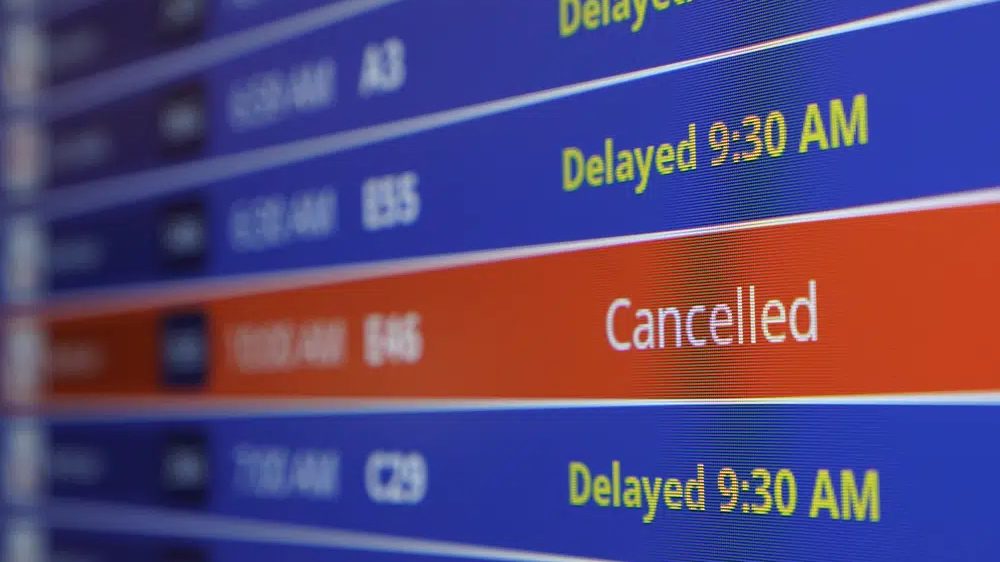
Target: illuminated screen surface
(533, 280)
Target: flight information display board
(546, 280)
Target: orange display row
(882, 304)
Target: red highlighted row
(884, 304)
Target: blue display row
(879, 115)
(97, 36)
(413, 58)
(853, 482)
(34, 540)
(70, 546)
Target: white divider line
(103, 300)
(99, 409)
(117, 518)
(115, 190)
(85, 93)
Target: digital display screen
(523, 280)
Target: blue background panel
(501, 477)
